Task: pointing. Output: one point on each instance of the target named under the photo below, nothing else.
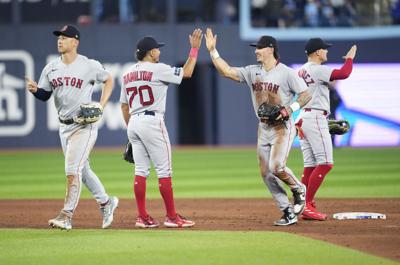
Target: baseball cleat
(288, 218)
(310, 213)
(108, 211)
(178, 222)
(63, 221)
(147, 222)
(299, 199)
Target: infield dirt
(377, 237)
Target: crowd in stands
(264, 13)
(324, 13)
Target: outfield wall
(205, 110)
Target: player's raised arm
(346, 69)
(222, 66)
(351, 53)
(195, 43)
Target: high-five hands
(211, 40)
(351, 53)
(195, 38)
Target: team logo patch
(177, 71)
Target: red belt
(323, 111)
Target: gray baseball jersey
(316, 144)
(317, 77)
(145, 85)
(277, 86)
(72, 84)
(144, 89)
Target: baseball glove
(89, 113)
(272, 115)
(338, 126)
(128, 153)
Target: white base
(358, 215)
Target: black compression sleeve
(42, 94)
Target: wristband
(295, 106)
(194, 52)
(214, 54)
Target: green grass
(171, 247)
(200, 173)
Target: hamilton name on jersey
(66, 81)
(265, 86)
(138, 76)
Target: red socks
(315, 180)
(139, 188)
(165, 186)
(306, 175)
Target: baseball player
(312, 123)
(272, 82)
(143, 99)
(70, 78)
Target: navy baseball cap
(148, 43)
(315, 44)
(264, 42)
(68, 31)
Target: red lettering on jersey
(138, 76)
(132, 76)
(257, 86)
(270, 87)
(306, 77)
(275, 88)
(147, 76)
(66, 78)
(265, 86)
(75, 82)
(54, 83)
(79, 83)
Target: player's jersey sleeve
(168, 74)
(123, 97)
(296, 84)
(323, 73)
(244, 74)
(44, 82)
(101, 73)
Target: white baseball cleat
(108, 211)
(63, 221)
